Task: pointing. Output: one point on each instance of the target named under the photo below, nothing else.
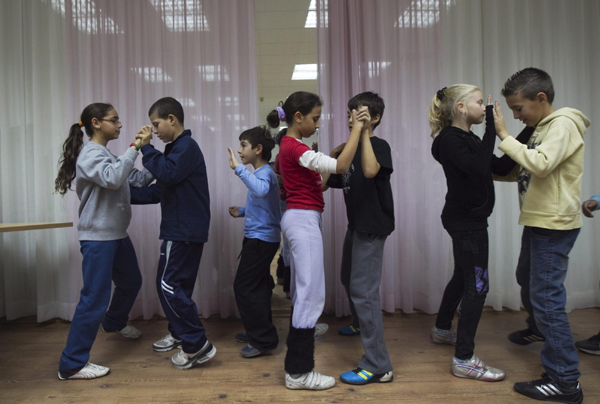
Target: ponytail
(443, 105)
(300, 101)
(74, 143)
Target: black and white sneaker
(546, 389)
(590, 345)
(525, 337)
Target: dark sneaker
(250, 352)
(546, 389)
(242, 337)
(591, 345)
(360, 376)
(525, 337)
(349, 330)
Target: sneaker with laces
(250, 351)
(546, 389)
(321, 329)
(590, 345)
(440, 336)
(89, 371)
(360, 376)
(182, 360)
(525, 337)
(309, 381)
(128, 331)
(166, 343)
(349, 330)
(476, 369)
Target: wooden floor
(30, 353)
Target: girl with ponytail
(102, 183)
(468, 163)
(301, 226)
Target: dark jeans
(253, 287)
(541, 273)
(468, 287)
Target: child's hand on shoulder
(233, 163)
(234, 211)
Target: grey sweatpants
(361, 275)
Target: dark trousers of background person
(468, 287)
(175, 281)
(253, 287)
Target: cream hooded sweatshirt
(551, 167)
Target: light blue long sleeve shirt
(262, 214)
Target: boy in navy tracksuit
(182, 189)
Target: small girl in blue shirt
(253, 284)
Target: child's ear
(541, 97)
(375, 119)
(172, 119)
(258, 150)
(297, 117)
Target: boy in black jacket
(182, 189)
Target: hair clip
(281, 113)
(80, 123)
(441, 93)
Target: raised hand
(489, 100)
(234, 211)
(588, 206)
(233, 163)
(499, 122)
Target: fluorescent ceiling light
(182, 15)
(305, 72)
(87, 17)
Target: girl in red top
(301, 225)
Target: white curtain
(408, 49)
(61, 55)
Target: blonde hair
(443, 106)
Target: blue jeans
(102, 261)
(549, 257)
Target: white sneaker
(89, 371)
(321, 329)
(166, 343)
(128, 332)
(182, 360)
(476, 369)
(309, 381)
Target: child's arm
(98, 167)
(368, 161)
(139, 178)
(258, 183)
(590, 205)
(176, 166)
(542, 160)
(237, 211)
(502, 166)
(328, 180)
(145, 195)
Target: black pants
(253, 287)
(469, 286)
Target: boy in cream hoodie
(549, 174)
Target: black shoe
(525, 337)
(591, 345)
(242, 337)
(546, 389)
